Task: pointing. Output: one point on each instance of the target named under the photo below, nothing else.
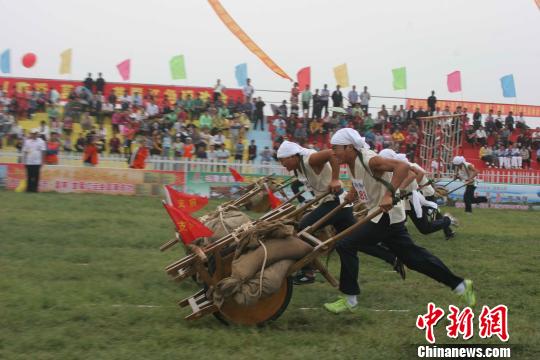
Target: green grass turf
(75, 270)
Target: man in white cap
(376, 182)
(319, 172)
(467, 173)
(418, 205)
(33, 154)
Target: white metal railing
(166, 164)
(255, 168)
(502, 177)
(511, 177)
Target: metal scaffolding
(440, 140)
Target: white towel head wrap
(288, 148)
(348, 136)
(458, 160)
(391, 154)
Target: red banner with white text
(528, 110)
(80, 179)
(64, 87)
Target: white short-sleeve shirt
(33, 150)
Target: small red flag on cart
(273, 199)
(188, 227)
(236, 175)
(186, 202)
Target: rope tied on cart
(263, 255)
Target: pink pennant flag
(453, 80)
(124, 69)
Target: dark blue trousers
(425, 226)
(341, 221)
(397, 239)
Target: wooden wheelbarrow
(213, 263)
(252, 190)
(260, 202)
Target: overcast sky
(485, 39)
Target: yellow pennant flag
(245, 39)
(21, 187)
(65, 62)
(342, 75)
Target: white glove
(342, 199)
(418, 200)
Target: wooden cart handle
(326, 217)
(286, 183)
(292, 198)
(307, 205)
(328, 243)
(365, 220)
(350, 229)
(198, 252)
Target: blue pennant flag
(508, 86)
(240, 71)
(5, 65)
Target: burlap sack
(441, 191)
(244, 283)
(264, 231)
(245, 266)
(273, 277)
(259, 203)
(221, 223)
(225, 224)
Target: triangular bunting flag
(241, 74)
(5, 62)
(65, 62)
(303, 77)
(124, 68)
(453, 81)
(178, 67)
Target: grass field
(82, 278)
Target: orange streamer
(245, 39)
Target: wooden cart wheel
(266, 309)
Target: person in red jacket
(138, 158)
(90, 154)
(189, 149)
(53, 147)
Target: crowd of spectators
(315, 121)
(188, 128)
(216, 127)
(398, 128)
(493, 134)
